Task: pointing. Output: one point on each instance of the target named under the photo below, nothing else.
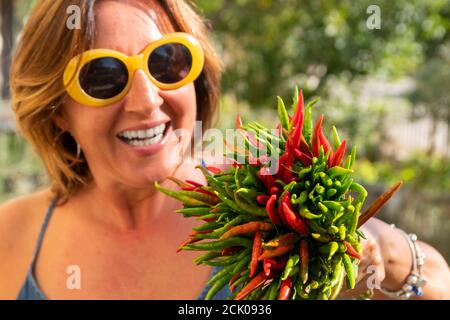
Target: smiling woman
(100, 105)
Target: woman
(102, 231)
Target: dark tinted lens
(104, 78)
(170, 63)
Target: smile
(143, 137)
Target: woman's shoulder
(20, 222)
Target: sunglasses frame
(71, 78)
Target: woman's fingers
(371, 271)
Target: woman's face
(128, 27)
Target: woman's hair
(44, 49)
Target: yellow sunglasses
(100, 77)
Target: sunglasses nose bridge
(136, 62)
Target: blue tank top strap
(47, 217)
(30, 289)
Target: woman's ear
(61, 121)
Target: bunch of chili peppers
(289, 235)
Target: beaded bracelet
(415, 280)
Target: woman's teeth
(144, 137)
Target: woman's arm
(387, 261)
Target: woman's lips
(146, 150)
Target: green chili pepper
(338, 171)
(304, 212)
(333, 205)
(217, 286)
(283, 115)
(221, 244)
(348, 265)
(342, 232)
(226, 178)
(196, 211)
(336, 140)
(336, 274)
(273, 291)
(332, 229)
(307, 125)
(301, 198)
(243, 256)
(316, 227)
(292, 261)
(187, 200)
(322, 208)
(207, 256)
(337, 288)
(301, 174)
(244, 262)
(325, 179)
(330, 193)
(329, 248)
(321, 237)
(254, 210)
(228, 201)
(208, 226)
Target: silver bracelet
(415, 280)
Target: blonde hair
(44, 49)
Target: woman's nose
(143, 96)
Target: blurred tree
(271, 45)
(432, 95)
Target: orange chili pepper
(256, 252)
(278, 251)
(258, 280)
(351, 251)
(247, 228)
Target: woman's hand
(371, 269)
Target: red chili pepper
(304, 158)
(275, 190)
(190, 188)
(265, 176)
(304, 147)
(304, 260)
(258, 280)
(315, 137)
(271, 211)
(256, 252)
(285, 289)
(235, 164)
(351, 251)
(238, 121)
(295, 138)
(214, 169)
(262, 199)
(269, 264)
(339, 155)
(293, 221)
(286, 199)
(287, 173)
(195, 183)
